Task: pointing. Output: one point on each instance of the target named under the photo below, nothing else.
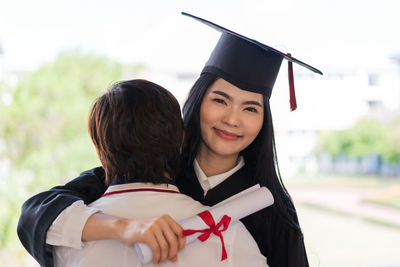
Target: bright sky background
(325, 33)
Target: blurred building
(335, 102)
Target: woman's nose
(231, 118)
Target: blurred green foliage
(43, 130)
(367, 137)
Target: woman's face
(230, 118)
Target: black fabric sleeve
(39, 211)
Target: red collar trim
(139, 190)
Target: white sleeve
(67, 228)
(245, 250)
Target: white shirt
(155, 200)
(210, 182)
(67, 228)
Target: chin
(222, 151)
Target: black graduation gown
(39, 211)
(281, 244)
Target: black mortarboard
(247, 63)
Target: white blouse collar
(210, 182)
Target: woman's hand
(162, 234)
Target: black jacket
(39, 211)
(280, 243)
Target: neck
(212, 164)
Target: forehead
(234, 91)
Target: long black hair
(260, 156)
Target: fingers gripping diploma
(162, 234)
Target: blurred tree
(43, 129)
(366, 138)
(45, 126)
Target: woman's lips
(226, 135)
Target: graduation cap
(247, 63)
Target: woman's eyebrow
(222, 94)
(256, 103)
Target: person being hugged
(137, 130)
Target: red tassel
(293, 104)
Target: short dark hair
(137, 130)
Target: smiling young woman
(230, 120)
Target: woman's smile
(226, 135)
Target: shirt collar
(131, 181)
(210, 182)
(138, 186)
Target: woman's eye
(251, 109)
(219, 100)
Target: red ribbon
(215, 229)
(293, 104)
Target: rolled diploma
(238, 207)
(250, 189)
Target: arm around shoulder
(39, 211)
(162, 234)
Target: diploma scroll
(236, 207)
(248, 190)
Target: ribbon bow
(215, 229)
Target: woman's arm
(162, 234)
(39, 212)
(66, 230)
